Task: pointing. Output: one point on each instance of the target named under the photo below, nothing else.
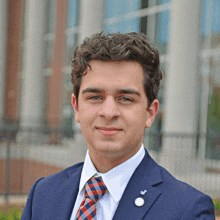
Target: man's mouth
(109, 131)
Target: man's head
(119, 47)
(116, 80)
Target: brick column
(55, 88)
(3, 36)
(13, 60)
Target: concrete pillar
(181, 86)
(151, 22)
(3, 35)
(91, 21)
(91, 17)
(32, 89)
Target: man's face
(112, 109)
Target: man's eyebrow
(93, 89)
(119, 91)
(128, 91)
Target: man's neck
(103, 163)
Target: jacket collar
(68, 192)
(146, 177)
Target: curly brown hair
(119, 47)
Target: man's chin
(108, 148)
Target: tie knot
(95, 188)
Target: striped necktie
(95, 188)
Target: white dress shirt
(115, 180)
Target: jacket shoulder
(192, 203)
(67, 172)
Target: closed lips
(108, 129)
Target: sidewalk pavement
(15, 199)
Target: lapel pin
(143, 192)
(139, 202)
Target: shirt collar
(115, 179)
(88, 171)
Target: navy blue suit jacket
(167, 198)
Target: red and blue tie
(95, 188)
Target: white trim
(67, 69)
(164, 58)
(48, 72)
(138, 14)
(150, 11)
(71, 31)
(49, 36)
(209, 53)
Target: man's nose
(109, 109)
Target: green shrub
(13, 213)
(217, 204)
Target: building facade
(37, 39)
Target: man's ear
(151, 113)
(75, 107)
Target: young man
(116, 80)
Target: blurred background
(38, 134)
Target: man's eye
(94, 97)
(126, 99)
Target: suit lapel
(66, 193)
(145, 177)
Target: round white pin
(139, 202)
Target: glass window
(49, 50)
(129, 25)
(67, 111)
(72, 16)
(51, 16)
(71, 42)
(162, 31)
(213, 117)
(210, 105)
(160, 2)
(210, 24)
(210, 43)
(156, 27)
(150, 3)
(144, 3)
(153, 136)
(116, 8)
(50, 32)
(115, 12)
(71, 32)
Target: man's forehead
(105, 77)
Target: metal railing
(27, 154)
